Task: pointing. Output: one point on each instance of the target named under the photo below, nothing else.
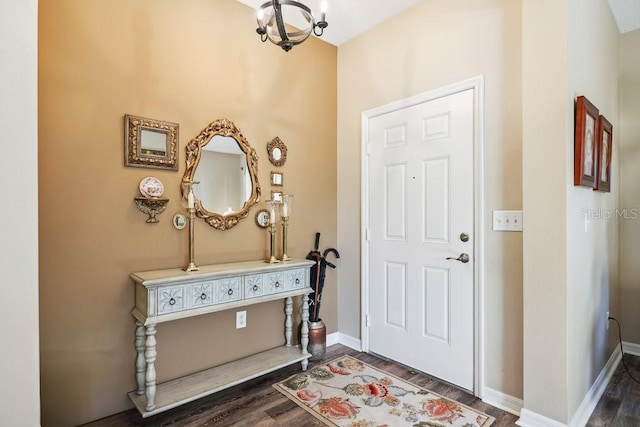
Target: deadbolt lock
(464, 237)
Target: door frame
(477, 85)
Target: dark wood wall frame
(586, 144)
(605, 148)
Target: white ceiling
(349, 18)
(627, 14)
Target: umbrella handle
(317, 245)
(331, 250)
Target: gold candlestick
(285, 213)
(273, 219)
(272, 245)
(192, 265)
(191, 210)
(285, 221)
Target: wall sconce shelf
(151, 207)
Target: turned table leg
(304, 335)
(140, 363)
(150, 374)
(288, 323)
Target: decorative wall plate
(151, 187)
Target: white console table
(166, 295)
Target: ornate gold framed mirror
(277, 151)
(150, 143)
(226, 166)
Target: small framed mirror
(150, 143)
(276, 179)
(277, 152)
(276, 196)
(226, 165)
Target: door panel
(420, 201)
(395, 202)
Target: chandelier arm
(280, 21)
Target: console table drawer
(228, 290)
(257, 285)
(201, 294)
(171, 299)
(295, 279)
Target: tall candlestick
(285, 212)
(192, 265)
(273, 206)
(191, 210)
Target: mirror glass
(225, 183)
(153, 143)
(226, 167)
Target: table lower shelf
(195, 386)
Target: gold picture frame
(277, 151)
(150, 143)
(277, 179)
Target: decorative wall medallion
(262, 218)
(179, 221)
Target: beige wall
(571, 262)
(592, 245)
(544, 197)
(190, 63)
(433, 44)
(19, 369)
(628, 137)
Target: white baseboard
(503, 401)
(531, 419)
(333, 339)
(582, 415)
(340, 338)
(630, 348)
(596, 391)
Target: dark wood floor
(619, 406)
(257, 404)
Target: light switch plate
(507, 220)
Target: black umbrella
(317, 277)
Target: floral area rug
(349, 393)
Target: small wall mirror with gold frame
(221, 159)
(277, 151)
(150, 143)
(276, 179)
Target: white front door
(421, 218)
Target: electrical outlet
(607, 319)
(241, 319)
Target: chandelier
(276, 17)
